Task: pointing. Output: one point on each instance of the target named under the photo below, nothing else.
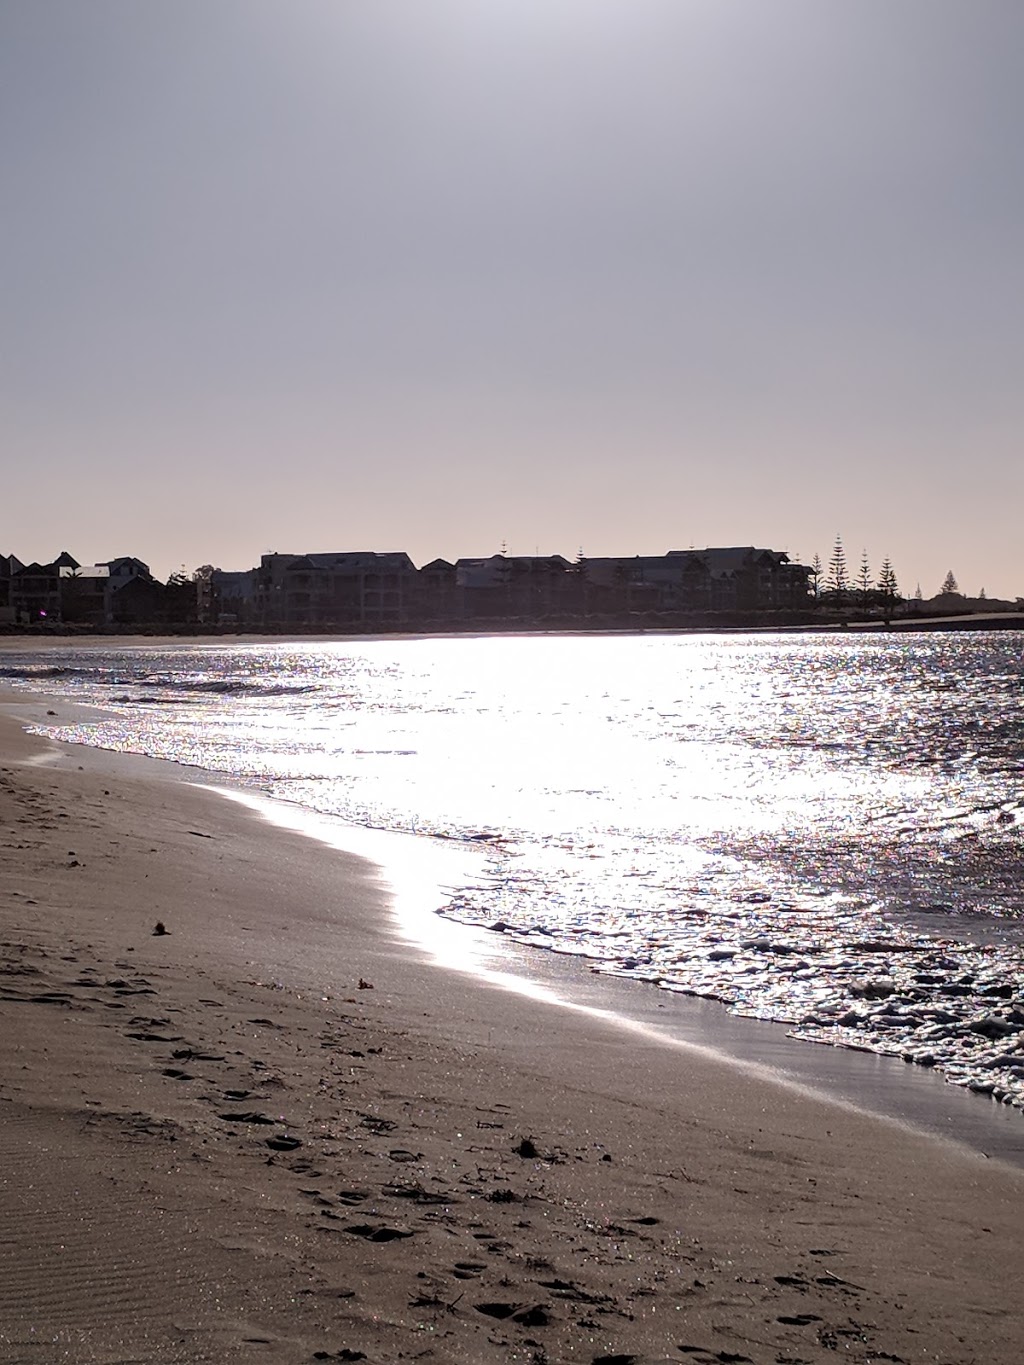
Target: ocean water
(824, 830)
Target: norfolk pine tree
(838, 582)
(816, 572)
(864, 580)
(888, 588)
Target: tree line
(839, 586)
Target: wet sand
(276, 1132)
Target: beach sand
(274, 1133)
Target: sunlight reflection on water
(821, 829)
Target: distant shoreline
(972, 621)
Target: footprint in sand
(418, 1194)
(377, 1233)
(468, 1270)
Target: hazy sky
(434, 275)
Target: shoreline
(450, 1170)
(876, 1084)
(409, 871)
(911, 623)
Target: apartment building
(353, 588)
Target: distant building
(745, 578)
(35, 590)
(437, 597)
(92, 595)
(519, 586)
(9, 566)
(738, 578)
(231, 598)
(125, 570)
(358, 588)
(366, 590)
(85, 595)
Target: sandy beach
(274, 1132)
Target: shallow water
(823, 830)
